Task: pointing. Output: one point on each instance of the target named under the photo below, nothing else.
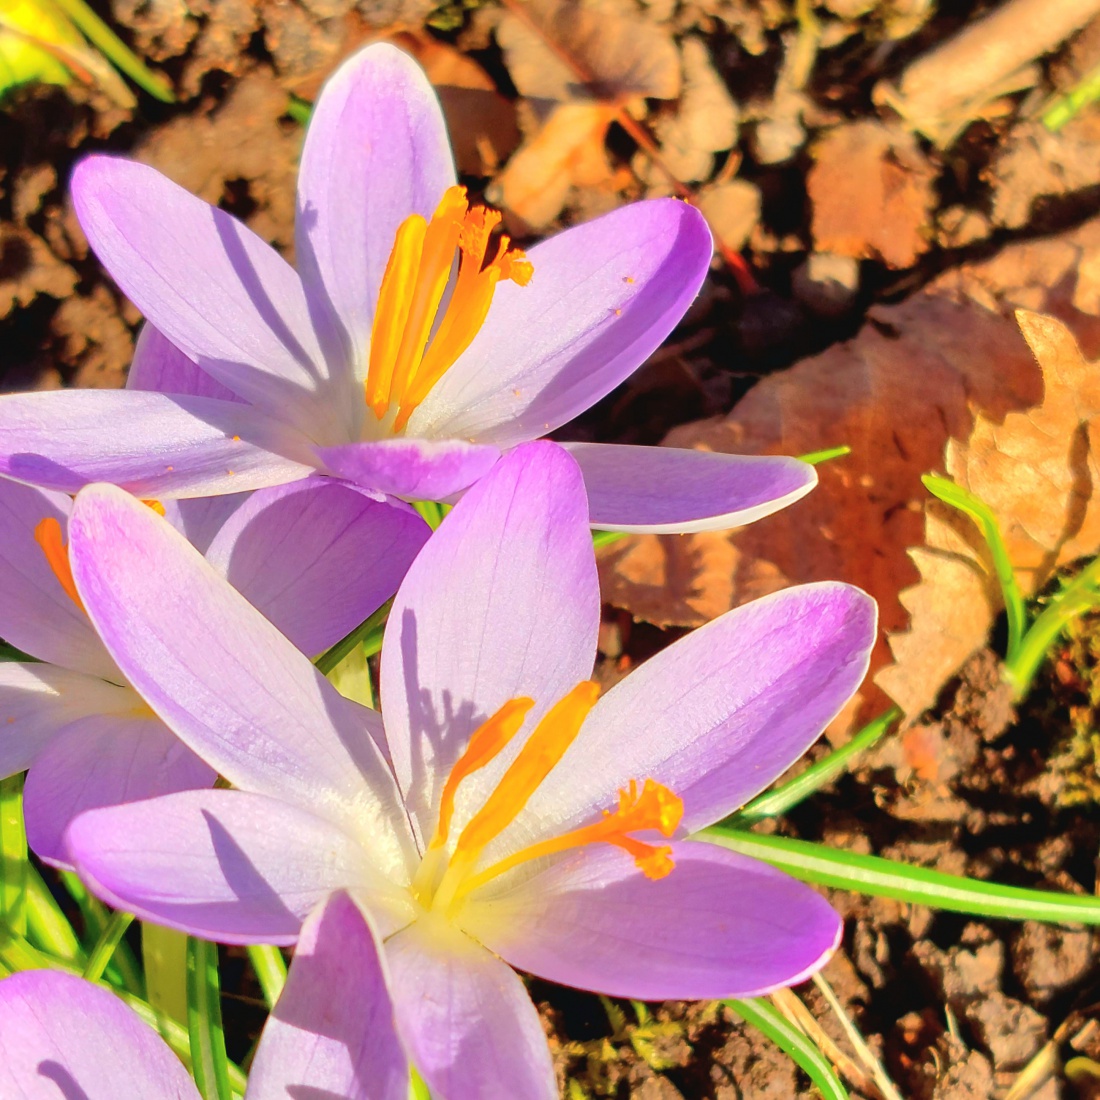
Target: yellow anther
(52, 543)
(404, 365)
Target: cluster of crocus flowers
(496, 813)
(242, 505)
(410, 349)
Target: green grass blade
(1063, 109)
(209, 1064)
(417, 1089)
(368, 631)
(13, 856)
(105, 948)
(123, 969)
(606, 538)
(887, 878)
(270, 967)
(790, 1040)
(779, 801)
(47, 926)
(1079, 596)
(946, 490)
(815, 458)
(115, 50)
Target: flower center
(403, 364)
(442, 881)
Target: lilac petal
(317, 557)
(602, 298)
(503, 602)
(214, 289)
(719, 925)
(199, 519)
(670, 490)
(226, 865)
(159, 366)
(152, 444)
(62, 1038)
(37, 700)
(417, 469)
(375, 152)
(104, 760)
(36, 613)
(224, 679)
(332, 1032)
(466, 1020)
(720, 714)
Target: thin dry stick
(866, 1054)
(734, 260)
(799, 1015)
(935, 88)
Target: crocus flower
(469, 843)
(410, 348)
(62, 1038)
(316, 556)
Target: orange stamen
(404, 366)
(485, 743)
(656, 807)
(544, 748)
(48, 536)
(155, 505)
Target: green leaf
(13, 856)
(270, 967)
(815, 458)
(47, 926)
(369, 632)
(888, 878)
(946, 490)
(780, 800)
(209, 1064)
(105, 947)
(606, 538)
(790, 1040)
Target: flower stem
(105, 947)
(209, 1064)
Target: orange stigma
(406, 357)
(155, 505)
(654, 807)
(48, 536)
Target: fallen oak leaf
(1039, 473)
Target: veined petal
(602, 298)
(38, 700)
(672, 490)
(317, 557)
(151, 444)
(159, 366)
(224, 679)
(62, 1037)
(503, 602)
(37, 615)
(417, 469)
(225, 865)
(375, 152)
(465, 1018)
(104, 760)
(718, 715)
(199, 519)
(712, 928)
(332, 1032)
(214, 289)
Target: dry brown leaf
(1039, 473)
(481, 122)
(914, 377)
(563, 50)
(872, 193)
(568, 149)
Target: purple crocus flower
(62, 1037)
(384, 359)
(470, 845)
(317, 557)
